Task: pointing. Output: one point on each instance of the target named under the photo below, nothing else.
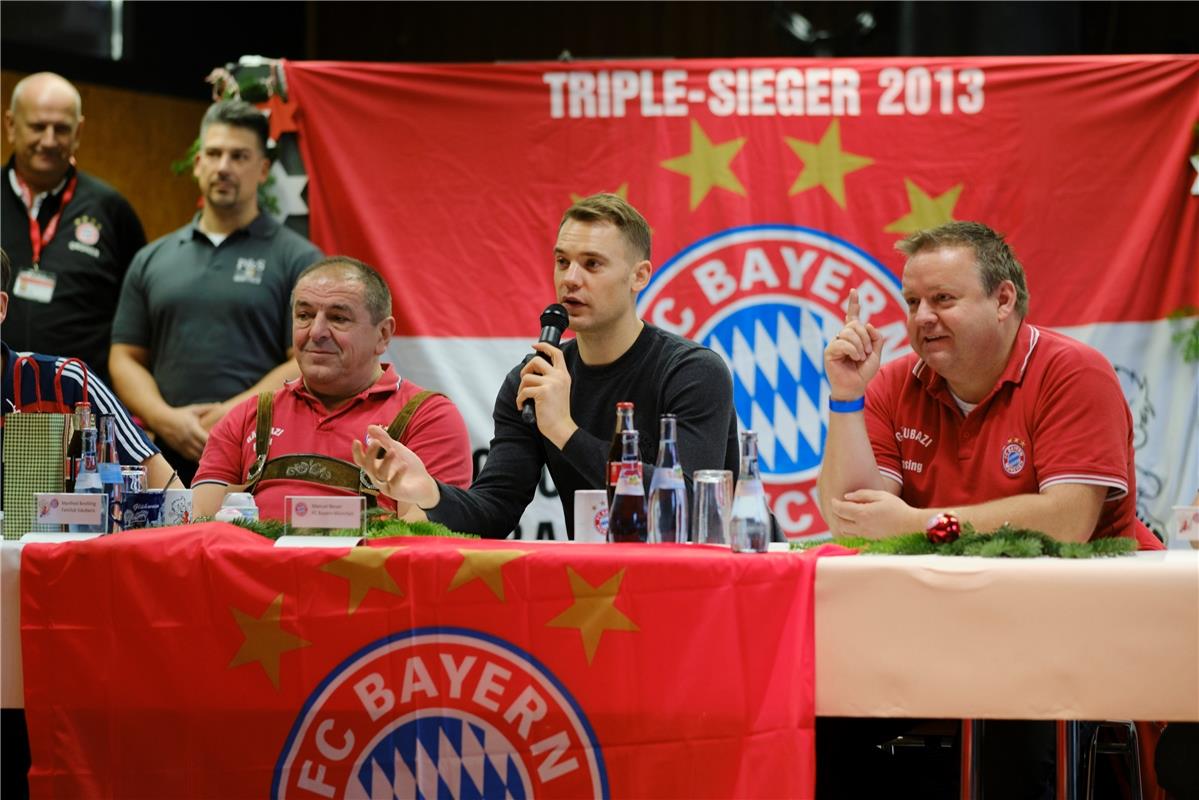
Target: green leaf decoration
(379, 525)
(1004, 542)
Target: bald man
(70, 236)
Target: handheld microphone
(554, 321)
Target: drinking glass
(713, 490)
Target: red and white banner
(773, 187)
(414, 668)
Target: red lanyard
(38, 239)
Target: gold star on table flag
(707, 165)
(621, 191)
(927, 212)
(365, 568)
(265, 640)
(593, 611)
(825, 164)
(484, 565)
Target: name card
(66, 508)
(307, 513)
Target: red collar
(387, 383)
(1017, 364)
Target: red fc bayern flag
(773, 187)
(203, 662)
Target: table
(903, 636)
(926, 636)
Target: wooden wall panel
(129, 140)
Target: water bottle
(87, 478)
(667, 490)
(110, 470)
(749, 522)
(627, 517)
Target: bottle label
(668, 479)
(630, 480)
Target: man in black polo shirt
(69, 235)
(204, 317)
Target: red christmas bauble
(943, 528)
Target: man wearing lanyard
(70, 236)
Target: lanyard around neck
(38, 238)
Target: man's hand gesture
(852, 358)
(395, 470)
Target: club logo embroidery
(767, 299)
(249, 270)
(1014, 457)
(87, 230)
(87, 235)
(440, 712)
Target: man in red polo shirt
(341, 324)
(991, 418)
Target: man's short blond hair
(616, 211)
(996, 261)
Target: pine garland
(1004, 542)
(379, 525)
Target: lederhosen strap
(314, 467)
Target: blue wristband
(847, 406)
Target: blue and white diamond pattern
(775, 351)
(441, 758)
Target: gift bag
(36, 438)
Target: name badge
(306, 513)
(35, 284)
(65, 508)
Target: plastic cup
(177, 510)
(591, 515)
(1184, 528)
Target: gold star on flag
(622, 192)
(484, 565)
(593, 611)
(707, 165)
(365, 568)
(927, 212)
(825, 164)
(265, 640)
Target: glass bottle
(627, 517)
(87, 477)
(667, 489)
(83, 418)
(624, 422)
(110, 469)
(749, 522)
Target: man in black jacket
(70, 236)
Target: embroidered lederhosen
(314, 467)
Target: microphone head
(555, 316)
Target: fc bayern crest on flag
(441, 713)
(767, 299)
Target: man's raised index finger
(854, 307)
